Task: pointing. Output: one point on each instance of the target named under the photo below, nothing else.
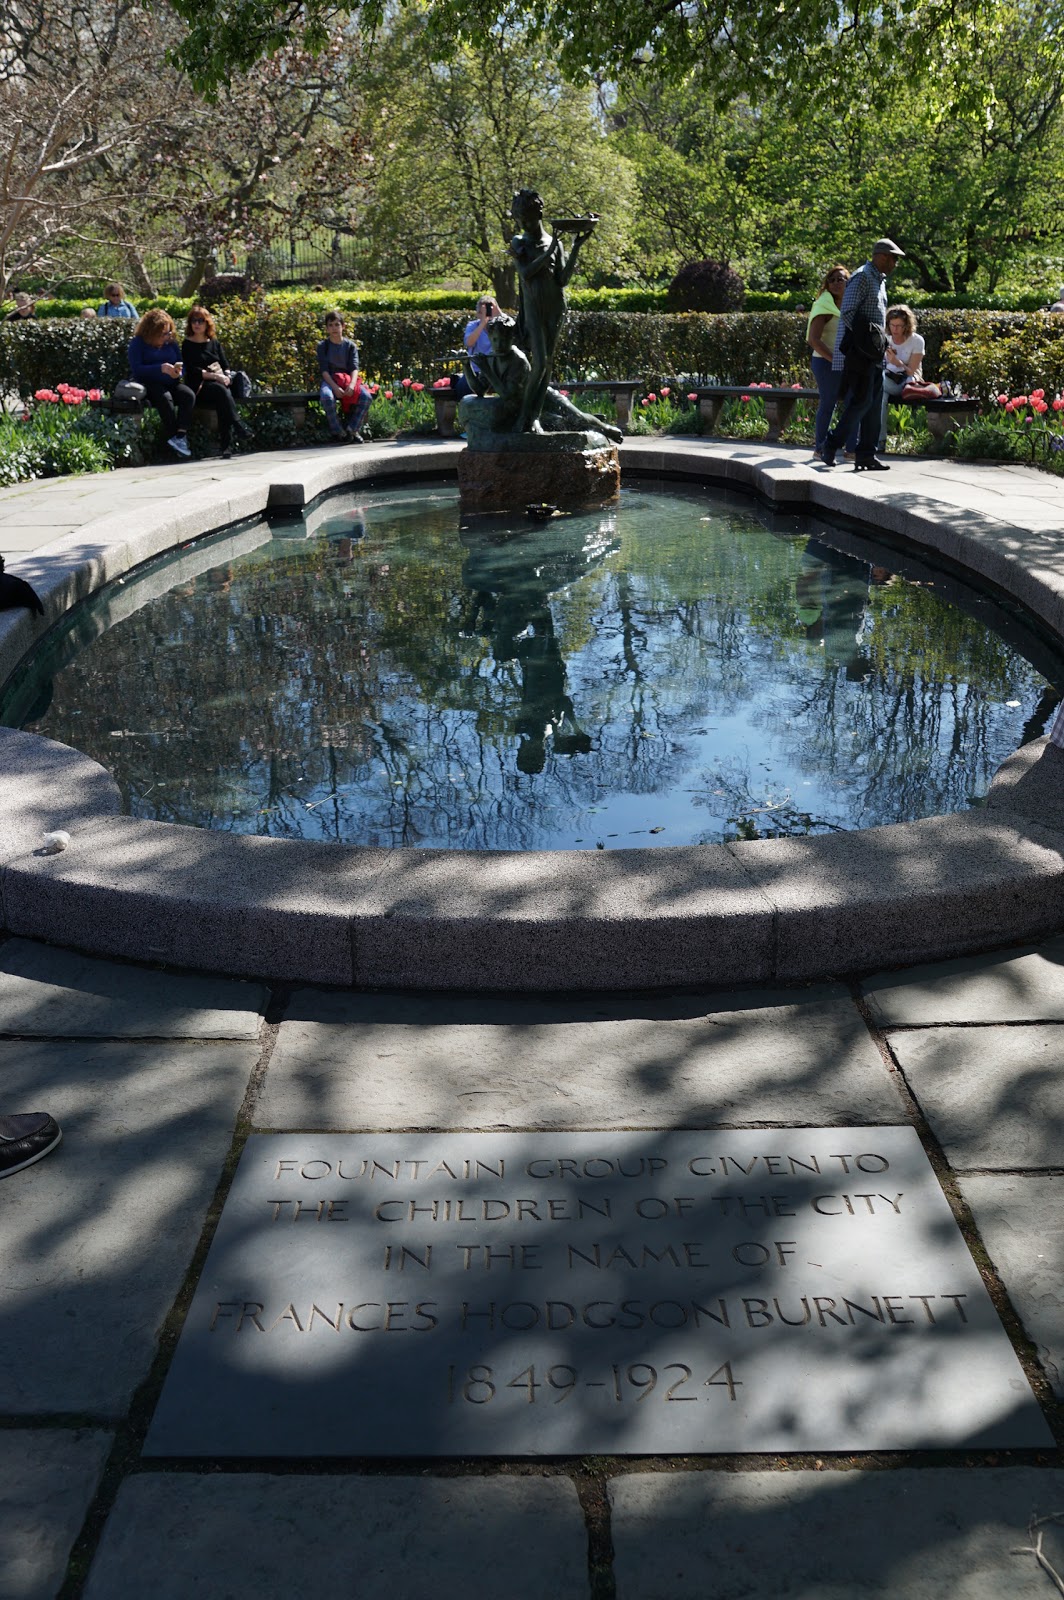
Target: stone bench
(943, 414)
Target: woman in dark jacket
(207, 375)
(155, 361)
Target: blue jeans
(828, 383)
(864, 414)
(355, 418)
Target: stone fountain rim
(761, 912)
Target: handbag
(239, 385)
(128, 396)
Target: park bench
(623, 391)
(942, 414)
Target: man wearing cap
(858, 356)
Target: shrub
(705, 286)
(224, 286)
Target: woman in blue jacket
(155, 361)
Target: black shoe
(25, 1138)
(828, 455)
(227, 454)
(356, 437)
(871, 466)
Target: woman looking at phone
(155, 361)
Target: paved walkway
(35, 515)
(159, 1079)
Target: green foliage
(989, 354)
(36, 354)
(51, 439)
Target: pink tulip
(651, 398)
(644, 402)
(1038, 394)
(692, 397)
(1003, 399)
(95, 394)
(1040, 406)
(796, 385)
(664, 392)
(388, 394)
(745, 398)
(1020, 400)
(564, 393)
(417, 387)
(1010, 406)
(1058, 404)
(1028, 418)
(407, 382)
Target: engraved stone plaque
(536, 1294)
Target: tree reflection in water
(682, 668)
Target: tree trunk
(504, 282)
(201, 265)
(138, 272)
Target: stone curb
(765, 911)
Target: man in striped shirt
(864, 307)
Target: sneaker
(356, 437)
(25, 1138)
(179, 444)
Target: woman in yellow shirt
(820, 334)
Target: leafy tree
(454, 140)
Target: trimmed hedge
(275, 342)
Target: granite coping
(766, 911)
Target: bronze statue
(543, 270)
(509, 372)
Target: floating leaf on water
(658, 830)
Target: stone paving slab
(56, 992)
(365, 1061)
(935, 1534)
(1021, 1222)
(95, 1241)
(1008, 986)
(274, 1538)
(993, 1096)
(47, 1481)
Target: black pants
(860, 404)
(220, 399)
(174, 401)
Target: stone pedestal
(509, 471)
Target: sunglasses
(197, 319)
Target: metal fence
(296, 261)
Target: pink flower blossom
(442, 383)
(745, 398)
(1020, 400)
(95, 394)
(564, 393)
(692, 397)
(1040, 406)
(1002, 399)
(644, 401)
(796, 385)
(664, 391)
(1058, 404)
(407, 382)
(417, 387)
(70, 398)
(1028, 417)
(374, 388)
(48, 396)
(1038, 394)
(650, 398)
(1010, 406)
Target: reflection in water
(680, 668)
(510, 575)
